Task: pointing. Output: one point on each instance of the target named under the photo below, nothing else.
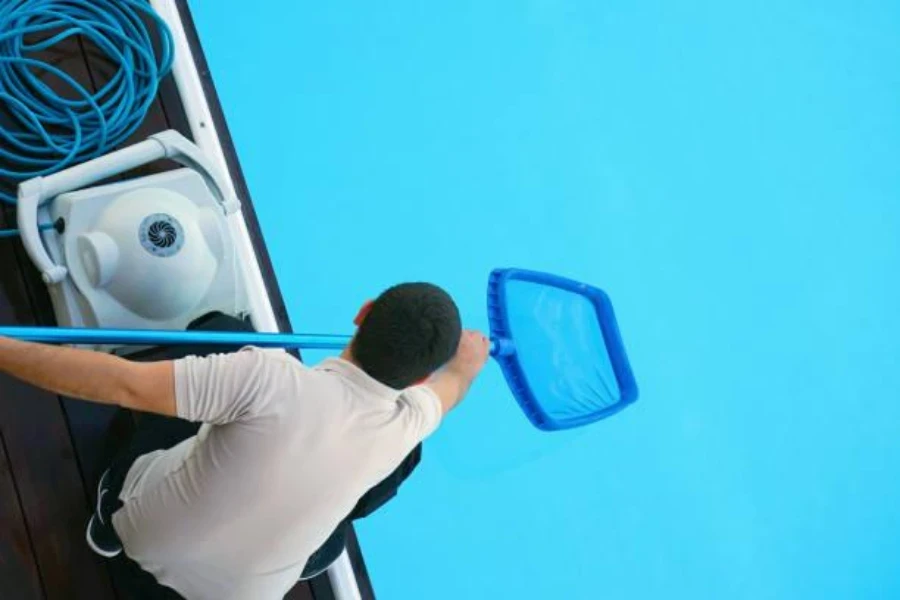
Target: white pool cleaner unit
(152, 252)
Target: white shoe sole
(94, 547)
(87, 535)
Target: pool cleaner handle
(162, 337)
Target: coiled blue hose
(50, 131)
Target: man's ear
(363, 313)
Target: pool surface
(727, 172)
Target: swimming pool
(728, 174)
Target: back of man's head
(407, 333)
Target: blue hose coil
(49, 131)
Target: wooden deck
(53, 449)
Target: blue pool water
(727, 172)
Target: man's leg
(154, 432)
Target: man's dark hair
(411, 330)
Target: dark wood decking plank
(43, 465)
(19, 576)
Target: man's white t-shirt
(286, 452)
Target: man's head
(406, 334)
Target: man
(286, 451)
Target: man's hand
(474, 350)
(452, 383)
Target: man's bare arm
(92, 376)
(452, 383)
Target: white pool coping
(203, 129)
